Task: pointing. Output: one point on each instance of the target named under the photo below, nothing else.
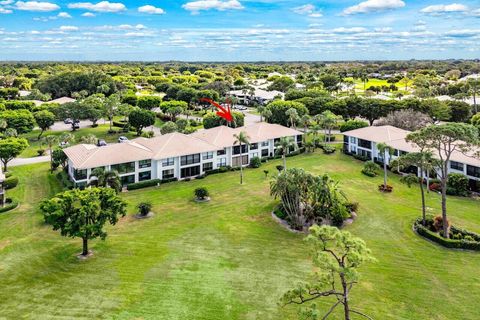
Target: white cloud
(103, 6)
(309, 10)
(64, 15)
(6, 2)
(151, 10)
(196, 6)
(444, 8)
(88, 15)
(374, 6)
(68, 28)
(36, 6)
(464, 33)
(5, 11)
(349, 30)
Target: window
(264, 152)
(124, 167)
(221, 152)
(473, 171)
(221, 162)
(396, 153)
(241, 160)
(265, 144)
(190, 172)
(365, 144)
(190, 159)
(299, 139)
(208, 166)
(168, 162)
(127, 179)
(147, 175)
(236, 149)
(167, 174)
(456, 165)
(144, 164)
(353, 140)
(80, 174)
(255, 154)
(254, 146)
(207, 155)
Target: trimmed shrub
(62, 176)
(10, 204)
(201, 193)
(255, 162)
(370, 169)
(41, 152)
(143, 184)
(460, 239)
(457, 185)
(352, 206)
(327, 149)
(382, 188)
(279, 168)
(435, 187)
(10, 182)
(144, 208)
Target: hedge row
(9, 206)
(148, 183)
(448, 243)
(10, 182)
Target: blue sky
(239, 30)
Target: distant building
(260, 96)
(176, 155)
(363, 142)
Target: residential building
(176, 155)
(363, 142)
(258, 95)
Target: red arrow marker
(222, 112)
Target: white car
(122, 139)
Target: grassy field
(228, 259)
(359, 86)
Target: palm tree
(50, 140)
(241, 139)
(424, 161)
(328, 121)
(292, 115)
(364, 78)
(283, 147)
(260, 110)
(267, 113)
(305, 122)
(106, 179)
(385, 151)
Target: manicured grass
(359, 85)
(227, 259)
(101, 132)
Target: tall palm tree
(260, 110)
(385, 150)
(107, 179)
(283, 147)
(424, 161)
(241, 139)
(305, 122)
(51, 140)
(292, 115)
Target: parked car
(242, 108)
(67, 121)
(76, 125)
(63, 144)
(122, 139)
(101, 143)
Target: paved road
(24, 161)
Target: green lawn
(101, 132)
(359, 86)
(228, 259)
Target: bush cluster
(459, 238)
(148, 183)
(10, 204)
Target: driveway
(24, 161)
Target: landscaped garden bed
(458, 238)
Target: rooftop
(175, 144)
